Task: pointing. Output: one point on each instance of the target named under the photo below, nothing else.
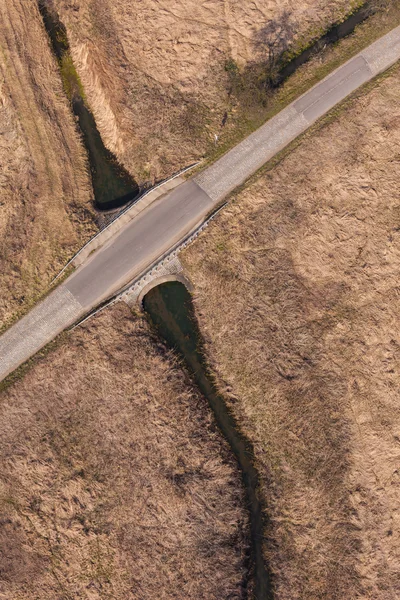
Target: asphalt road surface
(169, 219)
(139, 243)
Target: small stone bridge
(169, 268)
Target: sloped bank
(335, 33)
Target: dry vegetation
(44, 186)
(115, 482)
(297, 291)
(154, 72)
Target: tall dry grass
(115, 482)
(297, 294)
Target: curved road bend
(167, 220)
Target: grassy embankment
(251, 104)
(296, 292)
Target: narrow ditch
(171, 311)
(335, 33)
(113, 186)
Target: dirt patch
(114, 476)
(297, 294)
(155, 72)
(45, 204)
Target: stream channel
(335, 33)
(113, 186)
(171, 310)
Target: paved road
(168, 220)
(138, 244)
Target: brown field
(297, 292)
(45, 191)
(115, 482)
(154, 71)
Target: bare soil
(154, 72)
(115, 482)
(45, 191)
(296, 288)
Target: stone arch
(163, 279)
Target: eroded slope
(154, 71)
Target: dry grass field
(45, 190)
(115, 483)
(297, 293)
(154, 71)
